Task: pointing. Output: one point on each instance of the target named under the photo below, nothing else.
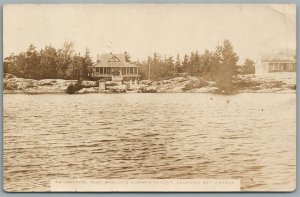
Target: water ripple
(150, 136)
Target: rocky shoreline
(188, 84)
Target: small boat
(117, 91)
(131, 91)
(148, 90)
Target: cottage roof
(281, 56)
(113, 60)
(266, 56)
(287, 54)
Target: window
(280, 66)
(97, 69)
(284, 66)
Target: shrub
(72, 89)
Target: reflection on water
(248, 136)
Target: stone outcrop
(13, 84)
(243, 83)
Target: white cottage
(284, 61)
(115, 67)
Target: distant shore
(281, 83)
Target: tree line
(51, 63)
(210, 64)
(64, 63)
(219, 65)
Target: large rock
(19, 83)
(88, 90)
(8, 76)
(176, 84)
(118, 87)
(44, 82)
(146, 82)
(89, 83)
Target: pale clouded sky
(144, 29)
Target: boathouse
(114, 67)
(283, 61)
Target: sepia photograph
(149, 97)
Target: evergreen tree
(178, 65)
(64, 59)
(248, 67)
(48, 62)
(87, 64)
(185, 63)
(31, 67)
(226, 67)
(127, 57)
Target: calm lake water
(251, 137)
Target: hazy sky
(144, 29)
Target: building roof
(281, 56)
(113, 60)
(285, 55)
(266, 56)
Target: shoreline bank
(187, 84)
